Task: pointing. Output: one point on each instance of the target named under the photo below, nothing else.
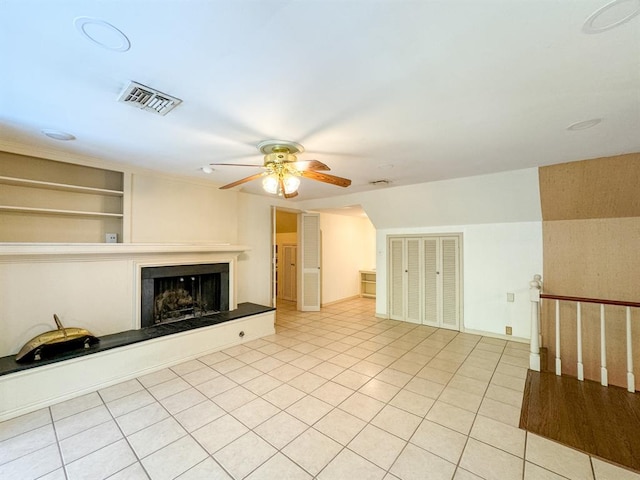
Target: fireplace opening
(181, 292)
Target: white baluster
(631, 382)
(558, 361)
(534, 293)
(579, 329)
(604, 378)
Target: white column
(604, 377)
(631, 382)
(558, 361)
(579, 341)
(534, 292)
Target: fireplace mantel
(16, 251)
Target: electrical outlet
(511, 297)
(111, 238)
(509, 330)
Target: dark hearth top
(9, 365)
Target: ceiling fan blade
(323, 177)
(304, 165)
(291, 195)
(241, 181)
(236, 164)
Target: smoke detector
(149, 99)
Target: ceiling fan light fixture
(274, 184)
(270, 184)
(291, 184)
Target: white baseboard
(340, 301)
(501, 336)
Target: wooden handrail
(536, 294)
(590, 300)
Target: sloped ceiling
(409, 91)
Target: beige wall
(591, 240)
(348, 246)
(165, 210)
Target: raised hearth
(9, 365)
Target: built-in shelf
(44, 200)
(368, 283)
(24, 182)
(55, 211)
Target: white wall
(501, 222)
(496, 259)
(347, 247)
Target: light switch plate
(511, 297)
(111, 238)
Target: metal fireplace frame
(149, 273)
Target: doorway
(285, 246)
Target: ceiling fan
(282, 169)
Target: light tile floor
(336, 394)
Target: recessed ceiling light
(611, 15)
(102, 33)
(584, 125)
(57, 134)
(207, 169)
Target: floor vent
(146, 98)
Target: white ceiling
(409, 91)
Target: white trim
(501, 336)
(10, 250)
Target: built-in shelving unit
(368, 283)
(44, 200)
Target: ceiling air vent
(380, 183)
(149, 99)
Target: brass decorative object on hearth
(62, 339)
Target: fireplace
(179, 292)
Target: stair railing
(536, 339)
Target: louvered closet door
(450, 278)
(309, 251)
(424, 280)
(431, 255)
(396, 279)
(413, 281)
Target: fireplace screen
(181, 292)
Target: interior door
(287, 268)
(309, 259)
